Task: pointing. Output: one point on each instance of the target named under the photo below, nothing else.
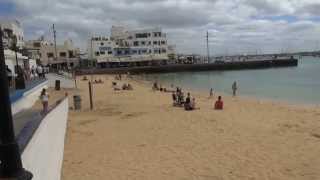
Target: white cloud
(236, 26)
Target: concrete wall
(28, 98)
(43, 155)
(65, 82)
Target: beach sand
(139, 135)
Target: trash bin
(57, 86)
(77, 102)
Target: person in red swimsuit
(219, 104)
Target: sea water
(299, 84)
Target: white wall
(28, 99)
(43, 155)
(64, 82)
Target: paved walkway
(21, 119)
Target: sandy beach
(139, 135)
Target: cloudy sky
(235, 26)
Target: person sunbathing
(124, 86)
(218, 104)
(155, 86)
(129, 87)
(193, 104)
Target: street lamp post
(10, 159)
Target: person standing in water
(211, 92)
(234, 88)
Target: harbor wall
(43, 155)
(27, 99)
(240, 65)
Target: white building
(12, 30)
(11, 61)
(65, 56)
(124, 46)
(100, 48)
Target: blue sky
(6, 8)
(235, 26)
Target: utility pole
(90, 95)
(11, 164)
(91, 52)
(55, 43)
(208, 53)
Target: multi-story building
(124, 47)
(100, 48)
(13, 35)
(65, 55)
(12, 31)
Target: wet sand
(139, 135)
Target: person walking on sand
(234, 88)
(44, 97)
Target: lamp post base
(23, 175)
(10, 163)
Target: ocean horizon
(299, 84)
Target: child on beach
(193, 104)
(211, 93)
(218, 104)
(44, 97)
(187, 104)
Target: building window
(63, 54)
(101, 43)
(37, 44)
(142, 35)
(71, 55)
(144, 51)
(149, 43)
(155, 42)
(102, 52)
(163, 42)
(136, 43)
(143, 43)
(109, 52)
(97, 53)
(164, 51)
(50, 55)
